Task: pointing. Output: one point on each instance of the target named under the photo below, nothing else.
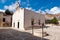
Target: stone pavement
(53, 31)
(12, 34)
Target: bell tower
(18, 5)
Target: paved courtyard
(12, 34)
(15, 34)
(53, 31)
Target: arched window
(32, 22)
(39, 22)
(3, 19)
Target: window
(3, 19)
(39, 22)
(32, 22)
(42, 24)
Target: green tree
(54, 21)
(7, 12)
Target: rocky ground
(12, 34)
(15, 34)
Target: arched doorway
(32, 22)
(18, 24)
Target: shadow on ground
(11, 34)
(37, 27)
(45, 27)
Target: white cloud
(29, 8)
(48, 11)
(2, 10)
(43, 12)
(10, 7)
(53, 10)
(38, 11)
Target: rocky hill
(51, 16)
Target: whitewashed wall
(24, 16)
(29, 15)
(18, 16)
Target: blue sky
(34, 4)
(44, 4)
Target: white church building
(23, 18)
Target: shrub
(54, 21)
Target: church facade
(24, 19)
